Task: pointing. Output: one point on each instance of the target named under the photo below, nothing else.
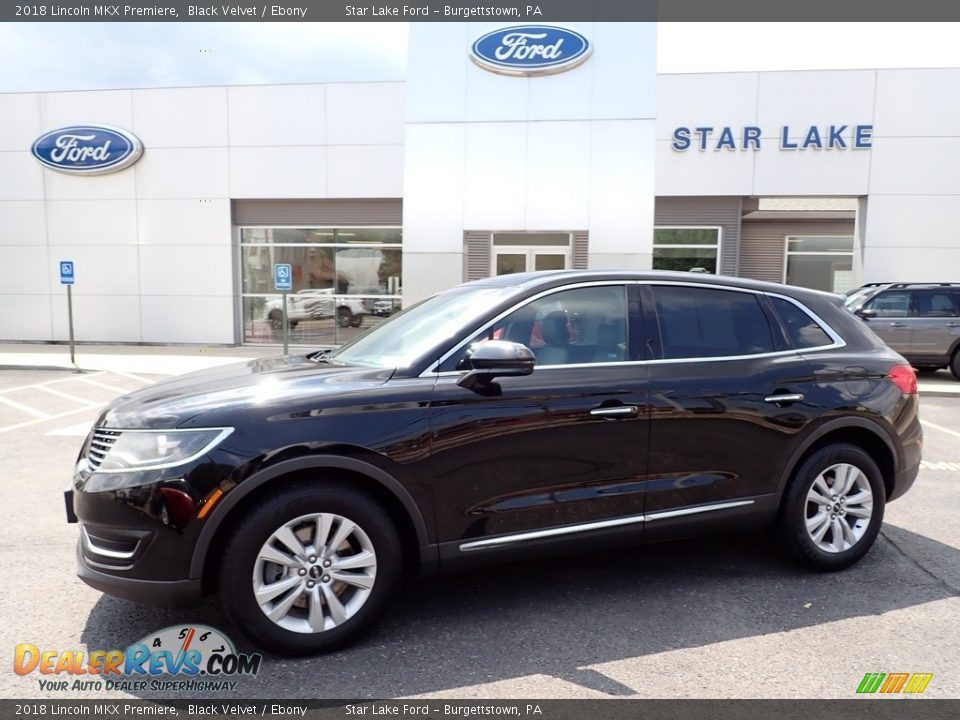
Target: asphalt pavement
(715, 617)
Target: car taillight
(905, 378)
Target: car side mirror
(496, 358)
(866, 313)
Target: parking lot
(724, 617)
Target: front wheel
(834, 508)
(311, 569)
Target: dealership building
(483, 161)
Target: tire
(276, 320)
(356, 321)
(955, 363)
(824, 467)
(302, 611)
(344, 316)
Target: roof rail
(934, 284)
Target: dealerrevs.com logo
(191, 658)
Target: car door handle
(784, 398)
(953, 324)
(615, 411)
(898, 324)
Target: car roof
(551, 278)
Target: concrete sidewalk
(148, 359)
(176, 360)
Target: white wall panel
(621, 192)
(365, 113)
(913, 221)
(21, 121)
(25, 318)
(277, 115)
(113, 186)
(910, 264)
(433, 189)
(711, 172)
(187, 319)
(557, 192)
(21, 177)
(278, 172)
(181, 117)
(811, 172)
(623, 70)
(99, 269)
(199, 270)
(802, 99)
(436, 91)
(494, 178)
(23, 222)
(915, 166)
(92, 222)
(358, 171)
(24, 270)
(184, 222)
(102, 107)
(916, 103)
(705, 100)
(183, 173)
(98, 318)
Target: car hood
(256, 385)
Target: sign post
(66, 278)
(283, 282)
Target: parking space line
(68, 396)
(948, 431)
(28, 423)
(44, 384)
(24, 408)
(134, 377)
(113, 388)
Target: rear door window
(935, 304)
(699, 322)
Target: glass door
(526, 252)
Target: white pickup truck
(313, 304)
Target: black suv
(501, 418)
(921, 321)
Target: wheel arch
(871, 437)
(380, 483)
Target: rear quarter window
(703, 322)
(802, 330)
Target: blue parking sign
(66, 272)
(282, 277)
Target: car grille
(100, 445)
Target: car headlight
(113, 451)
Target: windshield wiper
(323, 356)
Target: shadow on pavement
(553, 617)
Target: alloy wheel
(838, 508)
(314, 573)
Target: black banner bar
(872, 708)
(478, 10)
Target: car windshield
(409, 335)
(857, 298)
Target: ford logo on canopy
(87, 149)
(530, 50)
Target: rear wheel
(834, 508)
(955, 363)
(344, 316)
(311, 569)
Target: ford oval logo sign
(87, 149)
(530, 50)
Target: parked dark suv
(921, 321)
(501, 418)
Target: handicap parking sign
(282, 277)
(66, 272)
